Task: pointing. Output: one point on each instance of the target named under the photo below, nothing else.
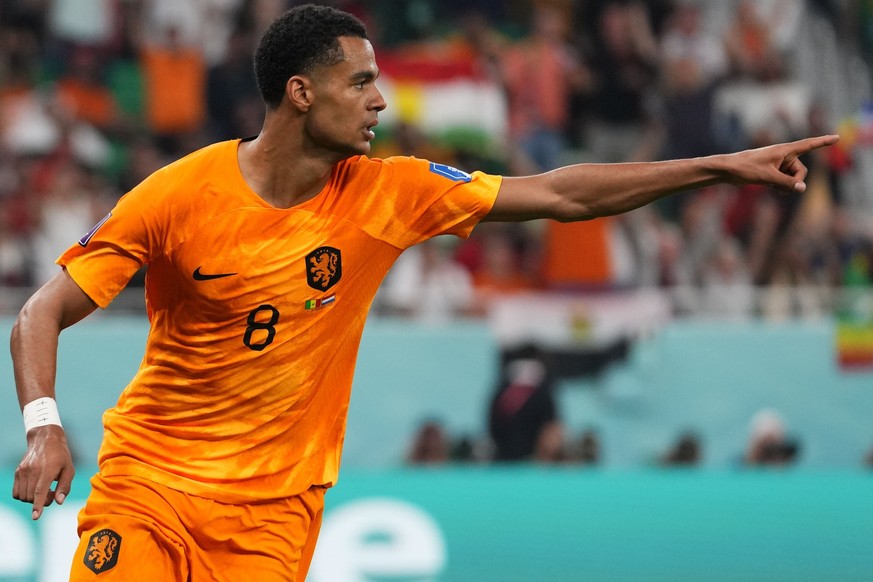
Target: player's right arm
(34, 345)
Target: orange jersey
(256, 313)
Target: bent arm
(34, 344)
(585, 191)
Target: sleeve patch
(88, 235)
(449, 172)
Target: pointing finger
(811, 143)
(41, 497)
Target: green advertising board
(557, 524)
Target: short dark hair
(300, 40)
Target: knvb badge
(324, 268)
(102, 551)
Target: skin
(324, 118)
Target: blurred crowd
(97, 94)
(525, 427)
(549, 442)
(525, 424)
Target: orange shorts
(132, 529)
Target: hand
(47, 460)
(778, 164)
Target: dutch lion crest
(102, 551)
(323, 268)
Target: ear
(298, 91)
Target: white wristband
(41, 412)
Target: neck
(280, 170)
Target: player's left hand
(778, 165)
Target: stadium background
(700, 355)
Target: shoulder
(400, 168)
(364, 164)
(192, 172)
(187, 185)
(215, 155)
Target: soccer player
(263, 256)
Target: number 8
(255, 325)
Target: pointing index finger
(40, 497)
(811, 143)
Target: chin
(341, 149)
(362, 149)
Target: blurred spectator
(550, 445)
(622, 75)
(700, 226)
(769, 443)
(635, 248)
(835, 164)
(523, 419)
(687, 42)
(751, 50)
(539, 74)
(83, 91)
(231, 90)
(427, 284)
(406, 139)
(43, 127)
(175, 83)
(726, 290)
(854, 246)
(205, 25)
(670, 252)
(587, 449)
(685, 451)
(123, 76)
(761, 218)
(430, 445)
(624, 62)
(688, 114)
(84, 22)
(143, 158)
(782, 18)
(485, 44)
(693, 63)
(501, 269)
(74, 201)
(467, 449)
(14, 251)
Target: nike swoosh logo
(198, 276)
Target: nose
(378, 103)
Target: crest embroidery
(323, 268)
(102, 552)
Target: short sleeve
(103, 261)
(406, 200)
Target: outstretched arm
(585, 191)
(34, 345)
